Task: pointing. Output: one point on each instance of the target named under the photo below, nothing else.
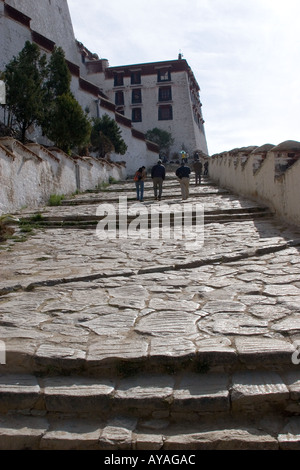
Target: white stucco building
(162, 95)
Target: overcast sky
(245, 55)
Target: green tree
(69, 126)
(25, 77)
(162, 138)
(106, 137)
(65, 123)
(59, 75)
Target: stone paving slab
(248, 389)
(21, 433)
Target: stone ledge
(117, 357)
(152, 395)
(123, 433)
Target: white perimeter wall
(280, 191)
(30, 174)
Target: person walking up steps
(197, 167)
(139, 179)
(158, 174)
(183, 174)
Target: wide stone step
(90, 221)
(19, 432)
(114, 197)
(171, 190)
(154, 396)
(169, 183)
(115, 357)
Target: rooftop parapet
(286, 154)
(259, 154)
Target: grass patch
(19, 239)
(26, 228)
(27, 225)
(112, 180)
(103, 186)
(55, 199)
(37, 217)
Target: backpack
(138, 176)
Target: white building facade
(162, 95)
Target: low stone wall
(30, 174)
(268, 174)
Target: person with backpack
(139, 178)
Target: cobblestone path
(74, 305)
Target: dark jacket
(183, 172)
(158, 171)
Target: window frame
(165, 113)
(165, 94)
(163, 75)
(136, 77)
(118, 79)
(119, 98)
(136, 115)
(138, 98)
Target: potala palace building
(139, 97)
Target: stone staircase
(241, 398)
(171, 194)
(242, 410)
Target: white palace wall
(51, 19)
(269, 175)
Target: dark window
(137, 115)
(164, 75)
(119, 98)
(165, 93)
(118, 79)
(135, 78)
(165, 113)
(136, 96)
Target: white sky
(245, 55)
